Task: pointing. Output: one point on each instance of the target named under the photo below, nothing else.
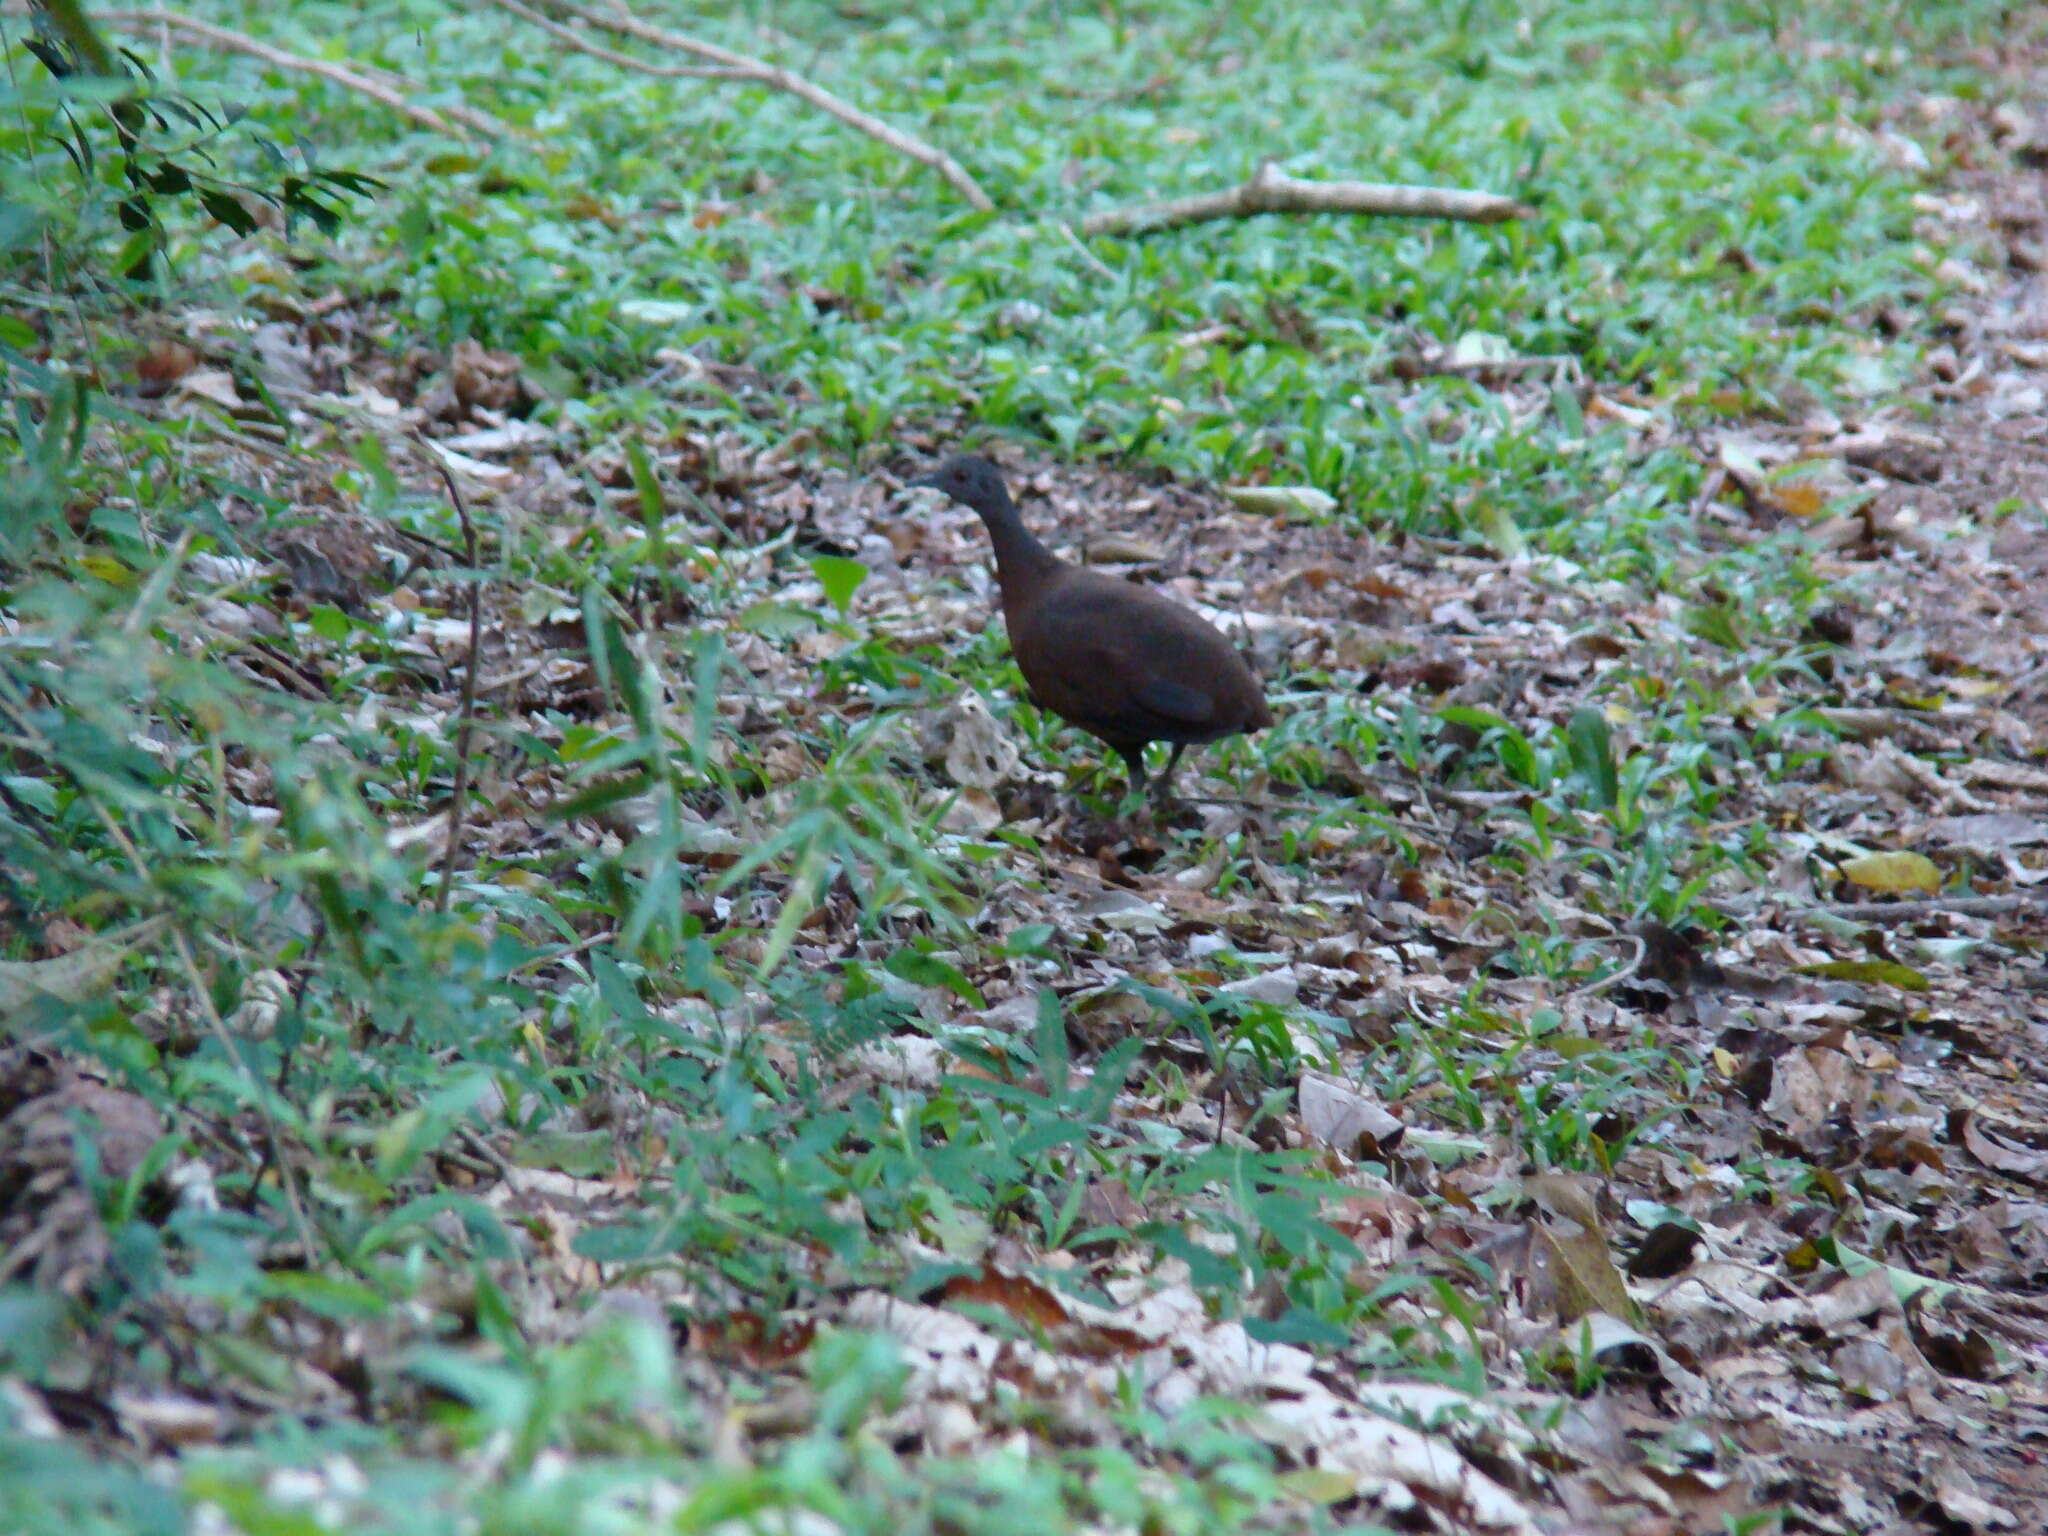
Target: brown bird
(1120, 661)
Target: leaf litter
(1797, 1266)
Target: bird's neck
(1022, 563)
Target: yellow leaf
(1897, 871)
(1318, 1485)
(1281, 500)
(1725, 1062)
(1887, 973)
(1798, 498)
(108, 569)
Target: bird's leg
(1134, 760)
(1162, 787)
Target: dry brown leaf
(1993, 1151)
(1572, 1273)
(1344, 1116)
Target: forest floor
(1577, 1072)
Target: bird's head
(969, 479)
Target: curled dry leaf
(1572, 1273)
(972, 811)
(161, 366)
(81, 973)
(1123, 910)
(264, 997)
(1345, 1117)
(50, 1227)
(1994, 1151)
(1811, 1085)
(975, 750)
(214, 385)
(483, 378)
(1388, 1461)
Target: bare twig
(1561, 363)
(389, 90)
(1272, 191)
(466, 721)
(568, 951)
(1613, 978)
(1950, 796)
(1102, 268)
(485, 1151)
(741, 66)
(1929, 906)
(570, 37)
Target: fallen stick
(570, 38)
(1272, 191)
(740, 66)
(1908, 911)
(387, 91)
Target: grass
(1707, 241)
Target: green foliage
(141, 156)
(630, 948)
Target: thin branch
(387, 91)
(1612, 979)
(570, 37)
(1102, 268)
(745, 67)
(568, 951)
(466, 725)
(1272, 191)
(1929, 906)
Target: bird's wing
(1176, 701)
(1088, 672)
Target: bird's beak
(922, 483)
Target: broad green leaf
(228, 211)
(584, 1154)
(647, 487)
(1031, 939)
(327, 1295)
(1592, 749)
(926, 970)
(330, 624)
(841, 578)
(1500, 528)
(776, 619)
